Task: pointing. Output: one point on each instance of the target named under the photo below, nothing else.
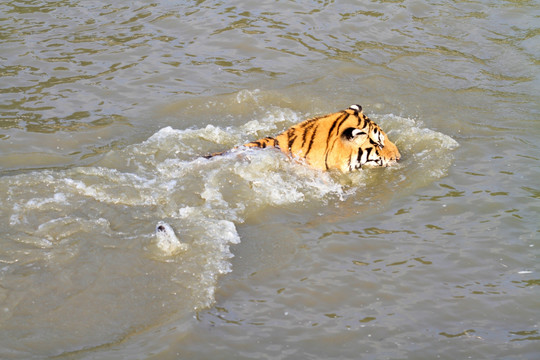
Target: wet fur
(346, 140)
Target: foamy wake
(193, 203)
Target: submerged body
(345, 140)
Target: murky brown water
(106, 107)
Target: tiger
(346, 140)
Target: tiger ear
(354, 134)
(356, 108)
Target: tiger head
(368, 143)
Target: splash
(158, 210)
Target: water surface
(107, 107)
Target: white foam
(58, 198)
(425, 153)
(246, 95)
(410, 133)
(274, 121)
(165, 178)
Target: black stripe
(291, 136)
(368, 153)
(306, 123)
(341, 122)
(326, 150)
(362, 121)
(312, 139)
(329, 150)
(306, 129)
(345, 115)
(269, 141)
(359, 157)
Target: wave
(92, 223)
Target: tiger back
(346, 140)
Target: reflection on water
(105, 109)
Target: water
(106, 109)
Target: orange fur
(345, 140)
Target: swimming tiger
(345, 140)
